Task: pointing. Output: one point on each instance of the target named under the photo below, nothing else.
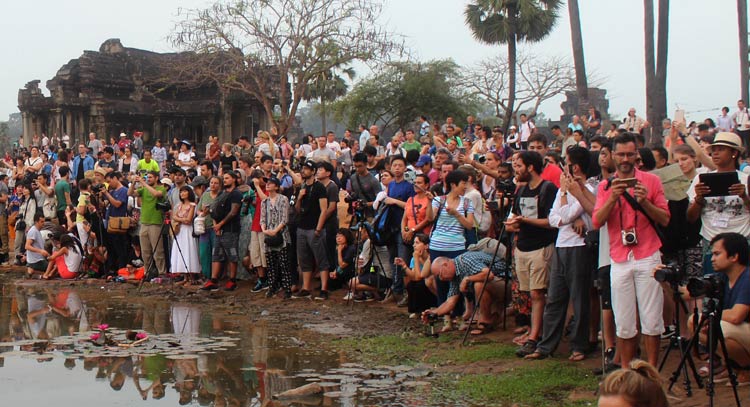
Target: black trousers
(118, 247)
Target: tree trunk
(323, 115)
(744, 64)
(576, 37)
(648, 29)
(660, 93)
(511, 82)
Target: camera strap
(638, 208)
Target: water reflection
(194, 356)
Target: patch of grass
(547, 384)
(388, 349)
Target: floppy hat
(728, 139)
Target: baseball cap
(310, 164)
(423, 160)
(167, 181)
(199, 181)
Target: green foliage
(536, 384)
(506, 21)
(403, 91)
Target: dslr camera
(629, 238)
(711, 286)
(672, 274)
(164, 206)
(507, 187)
(96, 188)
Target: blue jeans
(444, 286)
(403, 251)
(206, 248)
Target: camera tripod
(678, 341)
(166, 225)
(360, 223)
(710, 317)
(508, 253)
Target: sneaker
(260, 285)
(369, 297)
(322, 296)
(210, 286)
(403, 302)
(609, 356)
(348, 296)
(230, 286)
(668, 332)
(302, 294)
(287, 294)
(527, 349)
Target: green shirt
(206, 201)
(414, 145)
(149, 214)
(153, 166)
(61, 187)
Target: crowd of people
(438, 218)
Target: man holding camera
(363, 186)
(152, 218)
(117, 244)
(730, 257)
(628, 204)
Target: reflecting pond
(76, 347)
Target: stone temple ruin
(114, 90)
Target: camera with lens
(672, 274)
(629, 237)
(506, 186)
(711, 286)
(432, 317)
(96, 188)
(482, 160)
(164, 206)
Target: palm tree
(656, 64)
(507, 22)
(576, 38)
(744, 64)
(327, 87)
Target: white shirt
(563, 216)
(723, 213)
(742, 119)
(525, 130)
(364, 138)
(334, 146)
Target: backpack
(384, 227)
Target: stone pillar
(68, 123)
(25, 136)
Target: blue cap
(424, 159)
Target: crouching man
(467, 274)
(730, 257)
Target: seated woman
(132, 272)
(421, 285)
(65, 261)
(346, 252)
(376, 273)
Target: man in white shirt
(331, 142)
(724, 122)
(525, 130)
(424, 126)
(741, 119)
(571, 272)
(364, 136)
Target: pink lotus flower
(95, 337)
(102, 327)
(141, 335)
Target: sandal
(718, 368)
(536, 356)
(447, 326)
(481, 329)
(520, 340)
(576, 356)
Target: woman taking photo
(266, 145)
(421, 284)
(274, 216)
(184, 258)
(452, 215)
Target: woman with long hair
(420, 283)
(274, 216)
(637, 386)
(127, 163)
(184, 258)
(26, 211)
(65, 261)
(265, 144)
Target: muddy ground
(334, 320)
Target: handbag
(276, 241)
(118, 225)
(199, 225)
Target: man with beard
(536, 238)
(225, 212)
(634, 249)
(311, 204)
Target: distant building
(118, 89)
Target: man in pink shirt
(634, 248)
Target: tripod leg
(686, 353)
(730, 370)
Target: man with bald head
(467, 274)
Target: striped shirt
(448, 233)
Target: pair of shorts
(375, 280)
(62, 269)
(532, 268)
(311, 250)
(257, 249)
(635, 291)
(225, 248)
(41, 265)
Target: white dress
(187, 244)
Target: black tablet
(719, 182)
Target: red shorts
(62, 268)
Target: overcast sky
(37, 37)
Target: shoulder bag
(276, 241)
